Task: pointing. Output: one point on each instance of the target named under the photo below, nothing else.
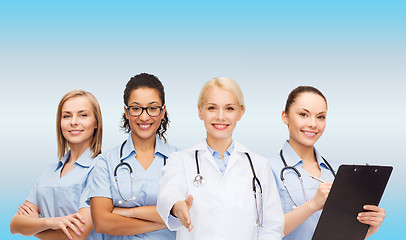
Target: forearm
(27, 226)
(296, 217)
(148, 213)
(114, 224)
(107, 222)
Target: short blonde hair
(226, 84)
(96, 144)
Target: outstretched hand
(181, 210)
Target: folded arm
(106, 221)
(28, 223)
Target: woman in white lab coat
(206, 192)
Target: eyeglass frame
(142, 110)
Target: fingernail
(81, 229)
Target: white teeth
(220, 126)
(145, 126)
(310, 133)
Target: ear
(163, 111)
(241, 113)
(285, 118)
(125, 112)
(199, 110)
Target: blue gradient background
(354, 51)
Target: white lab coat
(224, 207)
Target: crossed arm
(123, 221)
(28, 222)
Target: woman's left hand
(373, 217)
(25, 209)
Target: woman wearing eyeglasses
(124, 185)
(207, 191)
(305, 115)
(56, 207)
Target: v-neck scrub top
(57, 196)
(306, 229)
(145, 185)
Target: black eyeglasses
(153, 111)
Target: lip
(219, 126)
(75, 132)
(309, 134)
(144, 126)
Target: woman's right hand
(317, 202)
(74, 221)
(181, 210)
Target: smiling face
(144, 126)
(220, 112)
(78, 122)
(306, 119)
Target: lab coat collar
(202, 146)
(84, 160)
(160, 147)
(234, 157)
(292, 159)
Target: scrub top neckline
(159, 148)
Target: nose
(144, 115)
(312, 122)
(220, 114)
(74, 120)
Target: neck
(306, 153)
(76, 151)
(143, 144)
(219, 145)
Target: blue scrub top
(306, 229)
(145, 185)
(57, 197)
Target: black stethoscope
(299, 176)
(125, 164)
(199, 181)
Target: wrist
(313, 206)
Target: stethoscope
(125, 164)
(299, 176)
(199, 181)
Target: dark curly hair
(148, 81)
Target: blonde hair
(95, 145)
(226, 84)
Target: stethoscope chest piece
(199, 180)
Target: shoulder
(255, 157)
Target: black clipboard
(353, 187)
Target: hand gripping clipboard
(353, 187)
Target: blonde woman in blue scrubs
(56, 207)
(123, 207)
(305, 115)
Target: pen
(317, 179)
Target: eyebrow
(228, 104)
(80, 111)
(137, 103)
(304, 109)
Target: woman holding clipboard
(303, 176)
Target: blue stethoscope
(199, 181)
(299, 176)
(125, 164)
